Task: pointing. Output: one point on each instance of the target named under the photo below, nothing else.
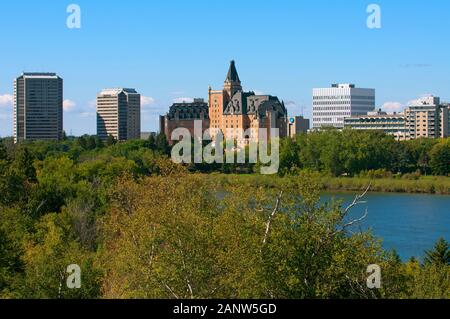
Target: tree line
(351, 152)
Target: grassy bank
(421, 185)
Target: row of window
(344, 97)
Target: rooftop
(117, 91)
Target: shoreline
(429, 185)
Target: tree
(151, 142)
(162, 144)
(98, 142)
(110, 141)
(23, 164)
(3, 153)
(250, 244)
(47, 256)
(439, 255)
(289, 156)
(440, 158)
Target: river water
(408, 223)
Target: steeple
(232, 73)
(232, 82)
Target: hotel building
(119, 114)
(38, 107)
(233, 111)
(184, 115)
(332, 105)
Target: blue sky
(175, 49)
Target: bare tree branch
(171, 291)
(272, 215)
(188, 282)
(357, 200)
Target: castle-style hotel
(231, 111)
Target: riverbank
(422, 185)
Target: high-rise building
(423, 118)
(332, 105)
(38, 107)
(119, 114)
(427, 118)
(233, 111)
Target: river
(408, 223)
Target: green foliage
(140, 226)
(351, 152)
(440, 158)
(48, 253)
(161, 144)
(3, 152)
(430, 281)
(439, 255)
(110, 141)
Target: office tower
(38, 107)
(332, 105)
(119, 114)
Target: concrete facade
(332, 105)
(119, 114)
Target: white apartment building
(38, 107)
(119, 114)
(391, 124)
(332, 105)
(427, 118)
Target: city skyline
(314, 45)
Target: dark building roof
(249, 103)
(196, 110)
(232, 75)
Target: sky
(174, 50)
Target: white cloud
(147, 100)
(183, 100)
(6, 100)
(69, 105)
(258, 92)
(392, 107)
